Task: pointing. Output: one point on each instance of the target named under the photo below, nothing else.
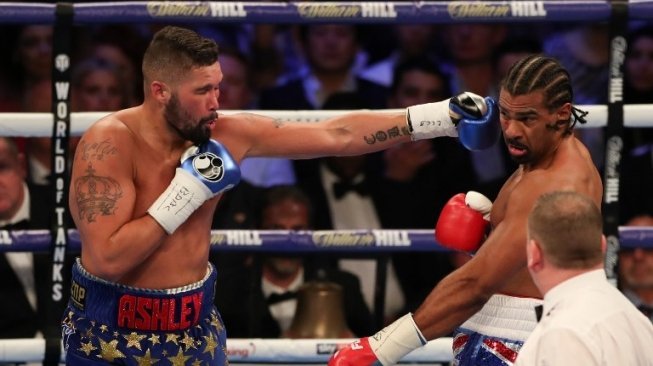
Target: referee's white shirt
(587, 321)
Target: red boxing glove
(385, 348)
(358, 353)
(463, 222)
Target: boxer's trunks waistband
(504, 316)
(124, 307)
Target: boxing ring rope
(39, 124)
(365, 241)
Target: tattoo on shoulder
(96, 150)
(96, 195)
(380, 136)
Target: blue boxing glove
(467, 116)
(477, 120)
(205, 171)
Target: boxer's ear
(160, 91)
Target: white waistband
(506, 317)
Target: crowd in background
(333, 66)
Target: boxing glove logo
(209, 166)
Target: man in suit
(262, 302)
(330, 51)
(24, 275)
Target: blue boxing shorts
(494, 335)
(109, 323)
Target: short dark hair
(286, 192)
(174, 51)
(422, 64)
(568, 226)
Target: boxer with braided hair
(488, 303)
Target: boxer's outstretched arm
(354, 134)
(361, 132)
(101, 201)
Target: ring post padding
(59, 282)
(614, 136)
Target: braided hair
(538, 72)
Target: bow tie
(275, 298)
(646, 310)
(538, 312)
(341, 188)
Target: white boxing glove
(445, 118)
(430, 120)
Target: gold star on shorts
(155, 339)
(188, 341)
(146, 360)
(179, 359)
(171, 337)
(134, 340)
(211, 344)
(87, 348)
(109, 352)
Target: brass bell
(320, 312)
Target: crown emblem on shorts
(96, 195)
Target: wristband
(182, 197)
(396, 340)
(430, 120)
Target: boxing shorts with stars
(109, 323)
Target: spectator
(97, 85)
(246, 304)
(236, 93)
(584, 318)
(38, 99)
(471, 67)
(638, 81)
(330, 51)
(637, 162)
(412, 41)
(351, 192)
(29, 63)
(120, 45)
(420, 164)
(636, 271)
(514, 49)
(32, 55)
(584, 51)
(239, 207)
(24, 274)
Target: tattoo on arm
(97, 150)
(380, 136)
(278, 122)
(96, 195)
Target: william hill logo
(216, 9)
(517, 9)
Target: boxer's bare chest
(500, 204)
